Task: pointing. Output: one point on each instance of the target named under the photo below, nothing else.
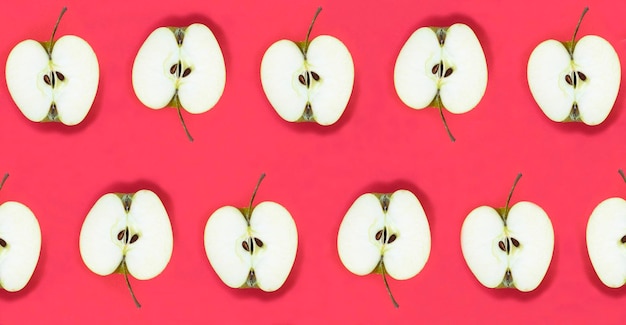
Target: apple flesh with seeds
(127, 233)
(252, 247)
(387, 234)
(575, 81)
(442, 68)
(53, 81)
(310, 81)
(181, 68)
(606, 241)
(508, 247)
(20, 244)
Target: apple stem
(508, 200)
(132, 293)
(580, 20)
(308, 33)
(621, 172)
(4, 179)
(443, 118)
(384, 273)
(54, 31)
(256, 188)
(180, 116)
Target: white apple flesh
(606, 240)
(576, 81)
(181, 68)
(53, 81)
(20, 244)
(508, 248)
(308, 81)
(385, 233)
(443, 68)
(252, 247)
(127, 233)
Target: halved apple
(55, 80)
(252, 247)
(308, 81)
(181, 67)
(387, 234)
(443, 68)
(508, 247)
(575, 81)
(127, 233)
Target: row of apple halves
(311, 81)
(255, 246)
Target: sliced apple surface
(443, 68)
(20, 245)
(260, 254)
(511, 254)
(253, 247)
(181, 68)
(308, 81)
(385, 233)
(127, 233)
(508, 247)
(55, 80)
(606, 241)
(576, 81)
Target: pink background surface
(316, 172)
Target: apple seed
(305, 78)
(436, 68)
(3, 243)
(623, 240)
(502, 246)
(381, 236)
(124, 236)
(177, 70)
(245, 245)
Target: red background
(315, 172)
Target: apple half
(575, 81)
(308, 81)
(181, 67)
(606, 240)
(253, 247)
(128, 234)
(386, 234)
(20, 244)
(508, 247)
(54, 81)
(442, 67)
